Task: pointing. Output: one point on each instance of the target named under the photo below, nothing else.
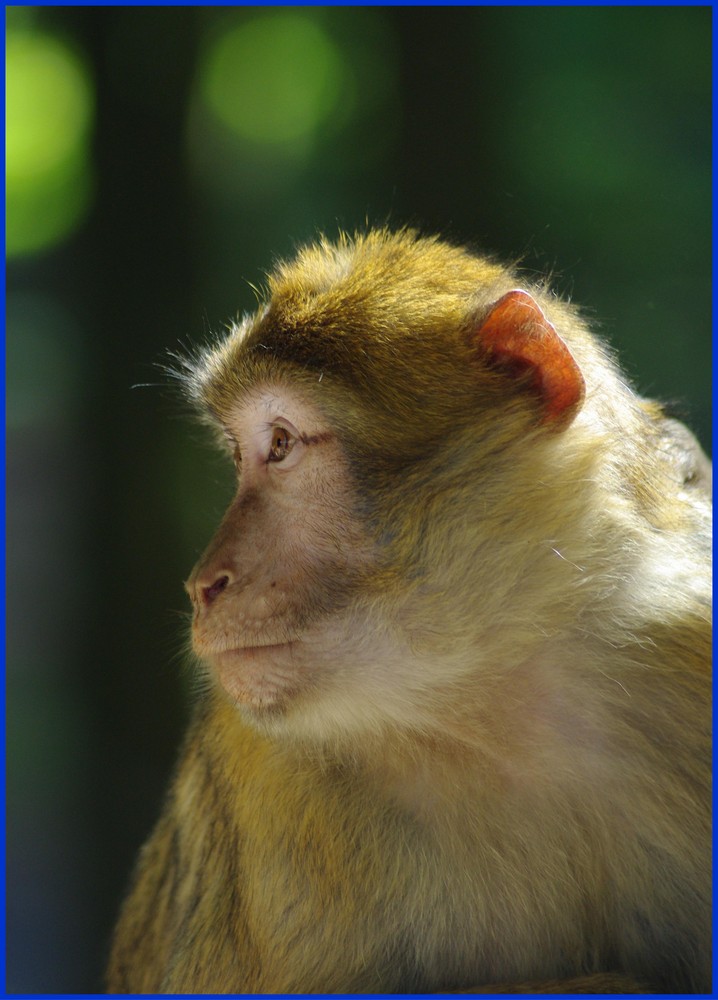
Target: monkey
(453, 732)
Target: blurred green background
(158, 159)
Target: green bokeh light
(275, 79)
(49, 107)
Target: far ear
(518, 335)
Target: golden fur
(494, 768)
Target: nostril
(209, 593)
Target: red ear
(518, 334)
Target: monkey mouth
(253, 652)
(249, 653)
(211, 646)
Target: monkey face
(288, 557)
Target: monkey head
(385, 409)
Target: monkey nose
(214, 589)
(204, 590)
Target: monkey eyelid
(285, 424)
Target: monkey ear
(518, 335)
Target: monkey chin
(259, 680)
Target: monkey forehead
(269, 402)
(236, 385)
(214, 362)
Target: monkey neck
(493, 736)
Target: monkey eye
(237, 455)
(281, 444)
